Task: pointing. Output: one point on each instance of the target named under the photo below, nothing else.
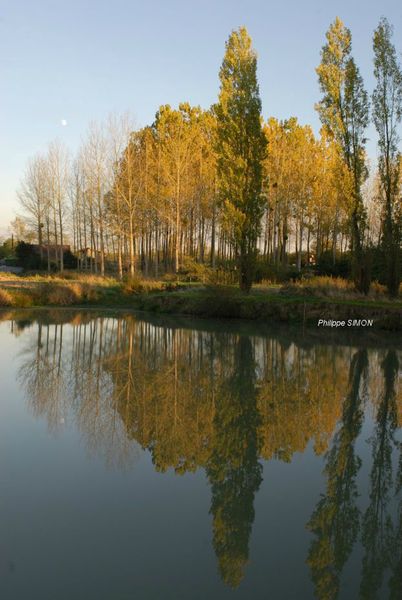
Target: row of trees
(223, 188)
(345, 114)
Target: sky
(64, 64)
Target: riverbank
(268, 304)
(276, 307)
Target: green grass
(270, 307)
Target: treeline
(224, 189)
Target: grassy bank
(305, 302)
(272, 307)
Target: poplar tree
(241, 149)
(34, 195)
(387, 116)
(344, 112)
(176, 133)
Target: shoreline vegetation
(301, 302)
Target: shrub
(220, 276)
(275, 273)
(65, 275)
(320, 287)
(6, 249)
(26, 256)
(6, 298)
(379, 265)
(63, 295)
(137, 285)
(341, 267)
(69, 260)
(195, 271)
(68, 293)
(332, 287)
(88, 292)
(11, 262)
(377, 290)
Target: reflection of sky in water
(143, 461)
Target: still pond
(179, 459)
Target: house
(53, 249)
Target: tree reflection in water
(224, 402)
(233, 468)
(335, 521)
(379, 541)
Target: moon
(63, 122)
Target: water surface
(170, 458)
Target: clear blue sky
(81, 59)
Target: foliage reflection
(225, 402)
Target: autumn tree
(95, 156)
(387, 116)
(308, 183)
(34, 195)
(344, 112)
(20, 230)
(58, 163)
(241, 148)
(119, 129)
(176, 135)
(197, 190)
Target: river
(170, 458)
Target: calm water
(172, 459)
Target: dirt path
(18, 283)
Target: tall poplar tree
(241, 149)
(387, 116)
(344, 112)
(176, 133)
